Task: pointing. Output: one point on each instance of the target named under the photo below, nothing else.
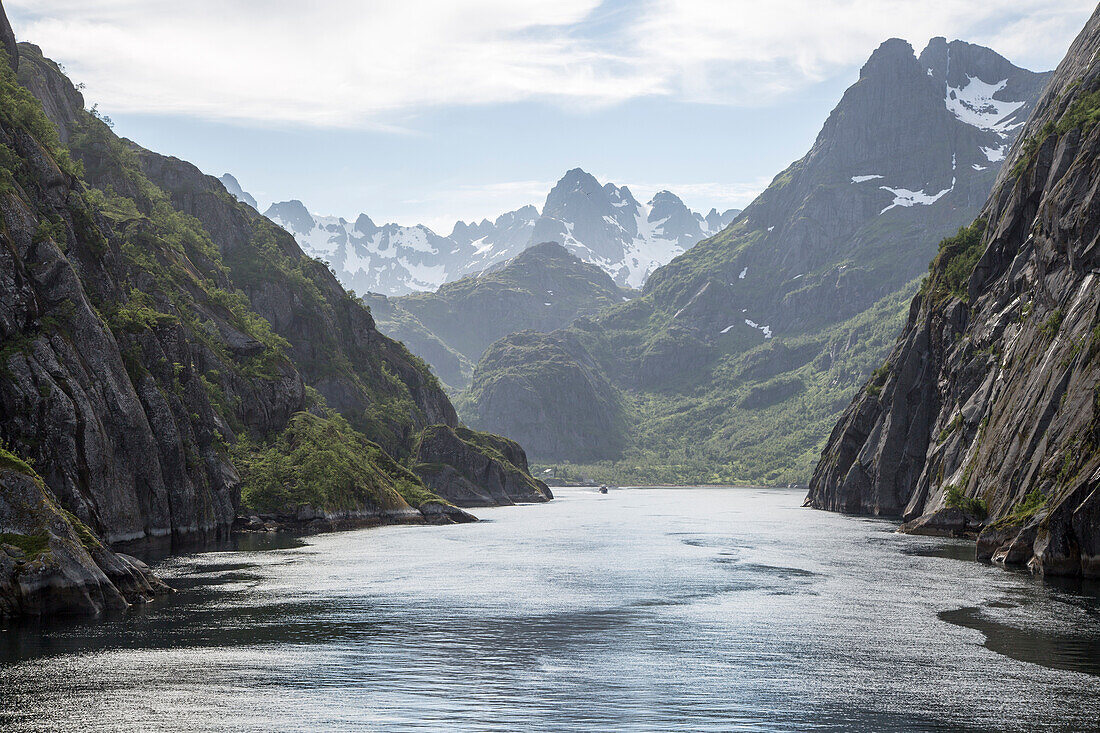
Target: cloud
(342, 62)
(751, 53)
(373, 63)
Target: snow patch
(766, 330)
(743, 274)
(995, 155)
(861, 179)
(906, 198)
(973, 104)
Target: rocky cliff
(741, 353)
(985, 418)
(161, 345)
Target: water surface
(654, 609)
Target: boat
(603, 489)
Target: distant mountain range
(601, 224)
(740, 354)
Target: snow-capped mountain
(779, 318)
(390, 259)
(605, 225)
(601, 224)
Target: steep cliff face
(986, 416)
(155, 334)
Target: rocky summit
(602, 225)
(741, 352)
(985, 418)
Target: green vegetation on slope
(321, 461)
(543, 288)
(726, 431)
(1082, 114)
(950, 270)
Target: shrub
(950, 270)
(956, 499)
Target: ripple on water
(682, 609)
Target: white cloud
(356, 63)
(341, 62)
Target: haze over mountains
(741, 352)
(602, 224)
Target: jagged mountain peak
(233, 186)
(893, 56)
(291, 215)
(983, 420)
(601, 223)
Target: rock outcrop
(50, 562)
(476, 469)
(989, 403)
(547, 390)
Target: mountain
(543, 288)
(169, 357)
(743, 351)
(985, 418)
(606, 226)
(603, 225)
(235, 190)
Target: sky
(431, 111)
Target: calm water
(656, 609)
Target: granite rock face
(547, 390)
(7, 38)
(51, 563)
(989, 400)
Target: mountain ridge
(543, 288)
(742, 351)
(392, 259)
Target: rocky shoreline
(307, 520)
